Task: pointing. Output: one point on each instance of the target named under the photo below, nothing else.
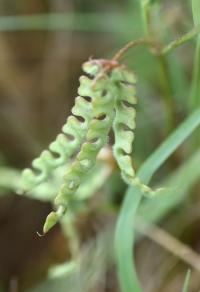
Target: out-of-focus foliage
(42, 47)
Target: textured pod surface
(102, 93)
(124, 122)
(106, 100)
(96, 138)
(124, 125)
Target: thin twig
(181, 40)
(156, 46)
(169, 242)
(135, 43)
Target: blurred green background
(42, 47)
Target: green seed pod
(51, 220)
(110, 88)
(67, 143)
(123, 126)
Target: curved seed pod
(123, 126)
(52, 219)
(111, 93)
(66, 143)
(96, 138)
(85, 160)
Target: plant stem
(195, 87)
(133, 44)
(163, 67)
(145, 9)
(157, 46)
(167, 91)
(182, 40)
(69, 229)
(195, 90)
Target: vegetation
(88, 173)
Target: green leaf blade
(124, 237)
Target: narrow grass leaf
(124, 237)
(195, 91)
(183, 178)
(186, 282)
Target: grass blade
(195, 91)
(124, 237)
(186, 282)
(183, 178)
